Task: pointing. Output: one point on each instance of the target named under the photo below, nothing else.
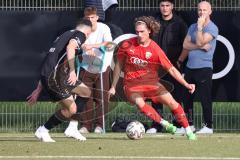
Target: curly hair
(152, 24)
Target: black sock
(52, 122)
(81, 102)
(209, 125)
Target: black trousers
(202, 78)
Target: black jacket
(171, 36)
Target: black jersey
(57, 52)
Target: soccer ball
(135, 130)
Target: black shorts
(57, 86)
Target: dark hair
(171, 1)
(85, 22)
(90, 10)
(152, 24)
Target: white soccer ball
(135, 130)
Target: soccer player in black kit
(58, 77)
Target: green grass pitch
(118, 146)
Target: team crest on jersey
(148, 55)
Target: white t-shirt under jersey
(93, 64)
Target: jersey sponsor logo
(52, 50)
(138, 61)
(78, 40)
(148, 55)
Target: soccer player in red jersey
(140, 58)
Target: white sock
(188, 130)
(164, 123)
(73, 124)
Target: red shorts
(145, 91)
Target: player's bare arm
(33, 97)
(72, 46)
(116, 75)
(182, 57)
(177, 75)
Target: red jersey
(141, 64)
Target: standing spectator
(201, 43)
(90, 75)
(109, 6)
(170, 38)
(104, 7)
(140, 58)
(105, 10)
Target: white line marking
(57, 135)
(115, 157)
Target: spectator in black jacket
(170, 38)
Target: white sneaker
(83, 130)
(72, 126)
(43, 135)
(98, 130)
(205, 130)
(151, 131)
(182, 130)
(71, 132)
